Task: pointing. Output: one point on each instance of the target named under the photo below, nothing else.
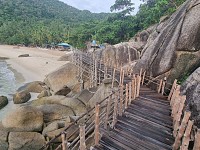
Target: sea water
(7, 80)
(8, 86)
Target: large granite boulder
(3, 101)
(21, 97)
(191, 87)
(72, 133)
(24, 118)
(54, 112)
(103, 91)
(3, 138)
(173, 48)
(75, 104)
(121, 53)
(35, 87)
(66, 57)
(65, 76)
(25, 141)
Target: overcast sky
(97, 6)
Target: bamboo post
(126, 101)
(121, 101)
(99, 72)
(130, 94)
(122, 77)
(107, 112)
(95, 72)
(160, 85)
(97, 138)
(64, 141)
(143, 77)
(173, 98)
(82, 137)
(163, 85)
(177, 117)
(196, 141)
(181, 131)
(141, 72)
(113, 78)
(115, 111)
(186, 138)
(172, 89)
(138, 86)
(135, 88)
(177, 100)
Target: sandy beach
(34, 68)
(27, 69)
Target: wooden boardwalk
(145, 125)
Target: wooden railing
(103, 115)
(184, 129)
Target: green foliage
(40, 22)
(125, 6)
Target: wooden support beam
(196, 141)
(64, 141)
(82, 137)
(186, 138)
(174, 96)
(181, 131)
(115, 110)
(160, 86)
(177, 117)
(172, 89)
(122, 77)
(176, 101)
(96, 131)
(113, 78)
(143, 77)
(141, 72)
(130, 93)
(138, 86)
(107, 113)
(121, 101)
(163, 85)
(126, 100)
(135, 88)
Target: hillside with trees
(42, 22)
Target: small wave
(7, 80)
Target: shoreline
(28, 69)
(34, 68)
